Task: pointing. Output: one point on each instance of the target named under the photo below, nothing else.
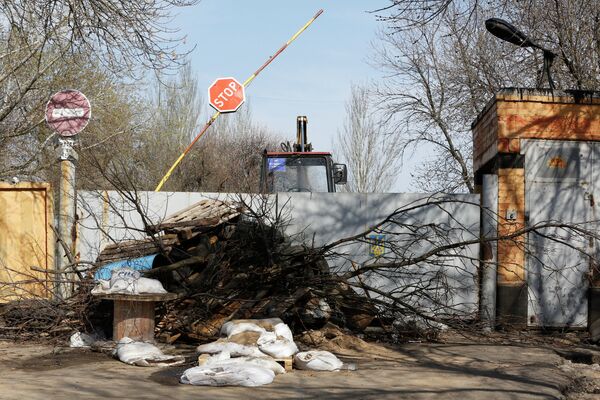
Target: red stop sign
(226, 94)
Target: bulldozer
(297, 168)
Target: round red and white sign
(68, 112)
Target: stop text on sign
(226, 94)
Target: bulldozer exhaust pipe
(301, 133)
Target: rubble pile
(225, 265)
(222, 263)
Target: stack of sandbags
(245, 354)
(128, 281)
(269, 337)
(222, 370)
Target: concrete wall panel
(422, 223)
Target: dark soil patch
(582, 385)
(168, 376)
(62, 359)
(579, 356)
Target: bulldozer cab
(297, 172)
(299, 169)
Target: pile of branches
(47, 317)
(246, 269)
(229, 265)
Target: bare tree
(228, 158)
(416, 101)
(119, 34)
(169, 122)
(46, 46)
(371, 154)
(569, 27)
(443, 66)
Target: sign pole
(246, 83)
(67, 113)
(66, 215)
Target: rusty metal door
(26, 240)
(558, 176)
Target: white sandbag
(266, 337)
(144, 354)
(267, 324)
(232, 328)
(235, 349)
(205, 358)
(317, 360)
(148, 285)
(263, 362)
(122, 279)
(245, 338)
(103, 286)
(284, 331)
(80, 339)
(125, 274)
(240, 374)
(128, 281)
(276, 346)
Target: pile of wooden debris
(227, 264)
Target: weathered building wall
(515, 114)
(511, 215)
(499, 134)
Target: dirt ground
(460, 368)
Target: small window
(297, 174)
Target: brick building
(536, 160)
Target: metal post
(66, 215)
(489, 259)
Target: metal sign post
(66, 214)
(67, 114)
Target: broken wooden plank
(136, 248)
(204, 213)
(286, 363)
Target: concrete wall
(422, 222)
